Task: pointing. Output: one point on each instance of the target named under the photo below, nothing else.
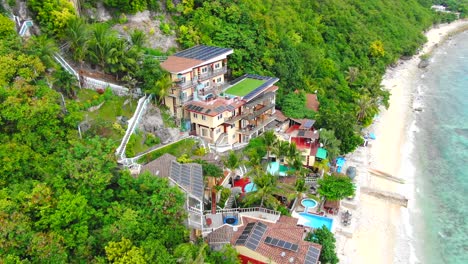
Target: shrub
(225, 193)
(200, 151)
(152, 140)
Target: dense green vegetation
(324, 237)
(336, 187)
(63, 199)
(338, 48)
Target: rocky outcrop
(423, 63)
(152, 122)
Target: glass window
(203, 117)
(195, 115)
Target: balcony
(252, 129)
(212, 73)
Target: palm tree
(330, 142)
(161, 88)
(138, 38)
(270, 139)
(267, 186)
(77, 37)
(44, 48)
(365, 107)
(101, 44)
(280, 149)
(232, 161)
(351, 74)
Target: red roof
(285, 229)
(175, 64)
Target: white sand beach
(379, 235)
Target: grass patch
(168, 120)
(103, 120)
(176, 149)
(244, 87)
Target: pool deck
(337, 225)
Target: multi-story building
(201, 67)
(220, 112)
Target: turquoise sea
(440, 157)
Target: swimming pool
(276, 168)
(316, 221)
(310, 203)
(250, 187)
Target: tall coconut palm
(161, 87)
(366, 107)
(280, 149)
(270, 139)
(351, 74)
(232, 161)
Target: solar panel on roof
(245, 234)
(281, 244)
(308, 124)
(202, 52)
(301, 133)
(255, 236)
(312, 255)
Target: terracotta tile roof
(312, 102)
(285, 229)
(175, 64)
(280, 116)
(160, 166)
(273, 88)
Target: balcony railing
(212, 73)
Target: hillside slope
(339, 48)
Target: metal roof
(202, 52)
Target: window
(233, 113)
(220, 116)
(204, 69)
(218, 80)
(204, 132)
(195, 115)
(233, 136)
(203, 117)
(207, 84)
(218, 130)
(217, 65)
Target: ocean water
(440, 157)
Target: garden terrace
(249, 86)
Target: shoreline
(383, 233)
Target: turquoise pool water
(250, 187)
(316, 221)
(276, 168)
(309, 203)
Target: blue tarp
(372, 136)
(340, 161)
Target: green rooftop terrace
(244, 87)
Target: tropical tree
(351, 74)
(324, 237)
(101, 45)
(138, 38)
(366, 107)
(336, 187)
(267, 187)
(280, 149)
(161, 87)
(65, 83)
(270, 139)
(44, 48)
(232, 161)
(77, 37)
(330, 143)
